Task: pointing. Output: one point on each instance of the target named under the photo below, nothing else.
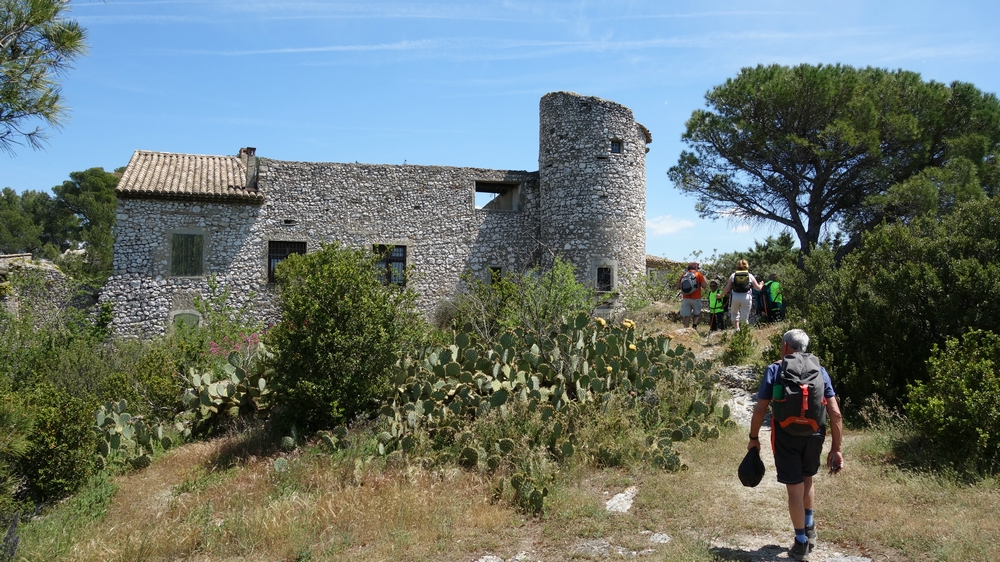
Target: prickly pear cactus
(234, 389)
(440, 392)
(125, 440)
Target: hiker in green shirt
(772, 293)
(716, 308)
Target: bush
(538, 300)
(340, 333)
(61, 454)
(905, 290)
(958, 406)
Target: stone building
(183, 217)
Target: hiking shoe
(799, 551)
(811, 534)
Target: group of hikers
(741, 294)
(797, 390)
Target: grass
(223, 500)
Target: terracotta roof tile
(186, 176)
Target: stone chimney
(248, 156)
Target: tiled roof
(186, 176)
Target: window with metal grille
(392, 264)
(277, 251)
(605, 280)
(187, 253)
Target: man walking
(691, 284)
(797, 437)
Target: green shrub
(958, 407)
(340, 333)
(61, 454)
(740, 345)
(539, 300)
(16, 427)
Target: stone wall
(586, 204)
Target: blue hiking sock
(809, 518)
(800, 535)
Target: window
(616, 146)
(496, 273)
(497, 195)
(187, 253)
(189, 319)
(392, 264)
(277, 251)
(605, 280)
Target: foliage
(776, 255)
(37, 44)
(518, 408)
(16, 427)
(660, 286)
(90, 196)
(238, 389)
(60, 457)
(740, 345)
(810, 147)
(538, 299)
(340, 334)
(905, 290)
(124, 439)
(958, 407)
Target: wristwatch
(752, 438)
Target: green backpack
(798, 405)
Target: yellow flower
(608, 368)
(601, 322)
(631, 346)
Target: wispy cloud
(741, 229)
(666, 224)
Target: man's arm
(757, 421)
(835, 458)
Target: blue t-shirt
(771, 376)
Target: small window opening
(391, 267)
(278, 251)
(289, 222)
(616, 146)
(497, 196)
(496, 274)
(605, 281)
(187, 253)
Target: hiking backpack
(689, 282)
(798, 405)
(741, 281)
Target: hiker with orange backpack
(740, 283)
(801, 397)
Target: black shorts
(796, 457)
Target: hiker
(716, 308)
(775, 304)
(739, 285)
(691, 284)
(798, 429)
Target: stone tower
(592, 186)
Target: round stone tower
(592, 185)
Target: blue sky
(458, 83)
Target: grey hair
(796, 339)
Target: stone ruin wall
(429, 209)
(594, 200)
(585, 204)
